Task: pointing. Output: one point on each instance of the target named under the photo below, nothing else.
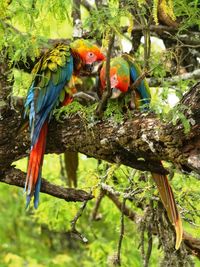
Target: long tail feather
(169, 203)
(33, 178)
(37, 191)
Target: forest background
(118, 225)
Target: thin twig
(107, 93)
(84, 96)
(109, 189)
(87, 5)
(94, 215)
(146, 225)
(142, 228)
(149, 250)
(140, 79)
(149, 234)
(121, 233)
(147, 41)
(10, 27)
(74, 231)
(77, 23)
(101, 194)
(133, 216)
(78, 215)
(194, 75)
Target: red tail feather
(169, 203)
(36, 160)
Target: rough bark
(139, 141)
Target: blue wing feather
(40, 118)
(47, 97)
(51, 74)
(142, 89)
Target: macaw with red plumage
(123, 72)
(51, 74)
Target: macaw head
(88, 52)
(119, 76)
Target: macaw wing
(51, 74)
(143, 88)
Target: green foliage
(22, 82)
(26, 28)
(176, 114)
(85, 112)
(39, 237)
(114, 111)
(155, 11)
(107, 19)
(189, 10)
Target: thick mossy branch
(16, 177)
(139, 141)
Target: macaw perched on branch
(51, 74)
(123, 73)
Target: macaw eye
(90, 54)
(113, 81)
(114, 78)
(90, 58)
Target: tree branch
(121, 233)
(16, 177)
(194, 75)
(94, 215)
(107, 93)
(192, 244)
(77, 23)
(87, 5)
(139, 142)
(74, 231)
(133, 216)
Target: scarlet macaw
(51, 74)
(123, 72)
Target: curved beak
(115, 93)
(89, 67)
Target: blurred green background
(39, 237)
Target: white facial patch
(113, 81)
(90, 58)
